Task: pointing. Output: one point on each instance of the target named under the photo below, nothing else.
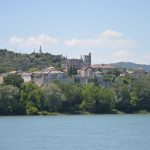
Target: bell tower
(87, 59)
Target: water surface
(75, 132)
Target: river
(75, 132)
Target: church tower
(87, 59)
(40, 50)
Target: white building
(26, 76)
(52, 75)
(47, 75)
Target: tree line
(126, 94)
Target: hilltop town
(42, 83)
(68, 70)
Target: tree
(53, 97)
(13, 79)
(31, 97)
(144, 99)
(72, 71)
(141, 87)
(9, 100)
(123, 100)
(32, 111)
(96, 83)
(91, 96)
(33, 69)
(97, 100)
(73, 97)
(115, 71)
(107, 100)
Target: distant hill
(133, 66)
(10, 60)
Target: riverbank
(87, 113)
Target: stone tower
(87, 59)
(40, 50)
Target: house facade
(26, 76)
(47, 75)
(85, 72)
(97, 70)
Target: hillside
(15, 61)
(130, 65)
(10, 60)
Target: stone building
(87, 60)
(102, 67)
(77, 63)
(96, 70)
(49, 75)
(26, 76)
(85, 72)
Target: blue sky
(112, 30)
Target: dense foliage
(13, 79)
(126, 94)
(27, 62)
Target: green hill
(129, 65)
(10, 60)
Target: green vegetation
(131, 66)
(125, 95)
(27, 62)
(121, 94)
(13, 79)
(72, 71)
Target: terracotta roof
(102, 66)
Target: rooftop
(102, 66)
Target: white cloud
(111, 34)
(107, 39)
(33, 41)
(15, 40)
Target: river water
(75, 132)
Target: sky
(112, 30)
